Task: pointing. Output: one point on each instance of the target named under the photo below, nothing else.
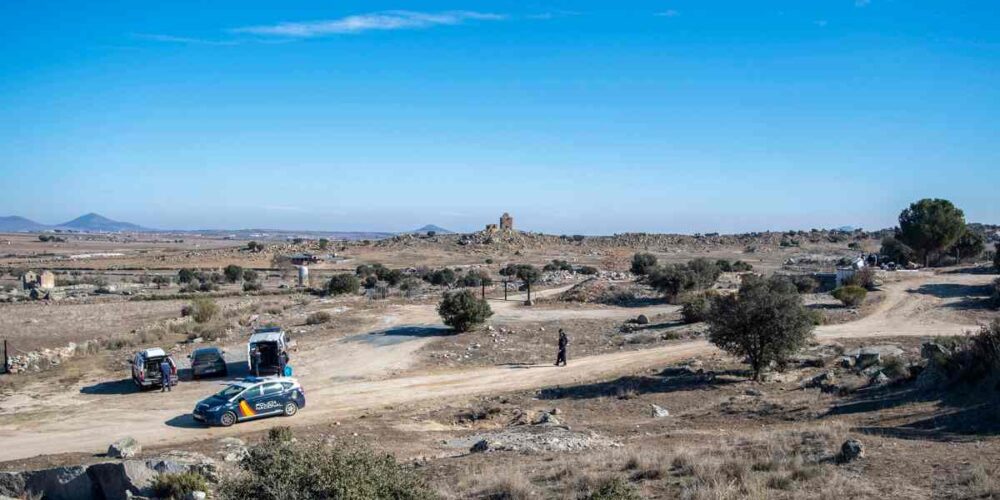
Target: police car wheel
(228, 418)
(291, 409)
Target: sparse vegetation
(850, 295)
(805, 284)
(643, 263)
(462, 310)
(178, 486)
(675, 279)
(233, 273)
(342, 284)
(697, 306)
(318, 317)
(203, 309)
(765, 321)
(311, 470)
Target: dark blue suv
(251, 398)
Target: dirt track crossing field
(348, 376)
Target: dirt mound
(601, 291)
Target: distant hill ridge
(431, 227)
(85, 223)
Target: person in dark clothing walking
(563, 342)
(166, 374)
(255, 361)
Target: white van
(272, 343)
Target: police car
(251, 398)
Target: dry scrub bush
(282, 468)
(178, 486)
(203, 309)
(318, 317)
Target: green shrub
(280, 434)
(974, 358)
(252, 286)
(588, 270)
(805, 284)
(462, 310)
(185, 275)
(178, 486)
(615, 489)
(558, 265)
(250, 275)
(476, 278)
(317, 318)
(643, 263)
(280, 468)
(742, 267)
(850, 295)
(203, 309)
(343, 283)
(696, 306)
(441, 277)
(233, 273)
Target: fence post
(3, 369)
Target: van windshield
(230, 391)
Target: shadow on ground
(972, 296)
(111, 387)
(400, 334)
(960, 415)
(670, 380)
(185, 421)
(973, 270)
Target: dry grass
(791, 463)
(981, 482)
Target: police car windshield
(231, 391)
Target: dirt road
(343, 379)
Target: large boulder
(69, 483)
(851, 450)
(120, 480)
(658, 411)
(12, 484)
(126, 447)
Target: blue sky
(576, 117)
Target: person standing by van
(166, 375)
(255, 358)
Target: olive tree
(765, 322)
(930, 226)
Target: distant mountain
(98, 223)
(432, 227)
(15, 224)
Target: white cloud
(182, 39)
(667, 13)
(376, 21)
